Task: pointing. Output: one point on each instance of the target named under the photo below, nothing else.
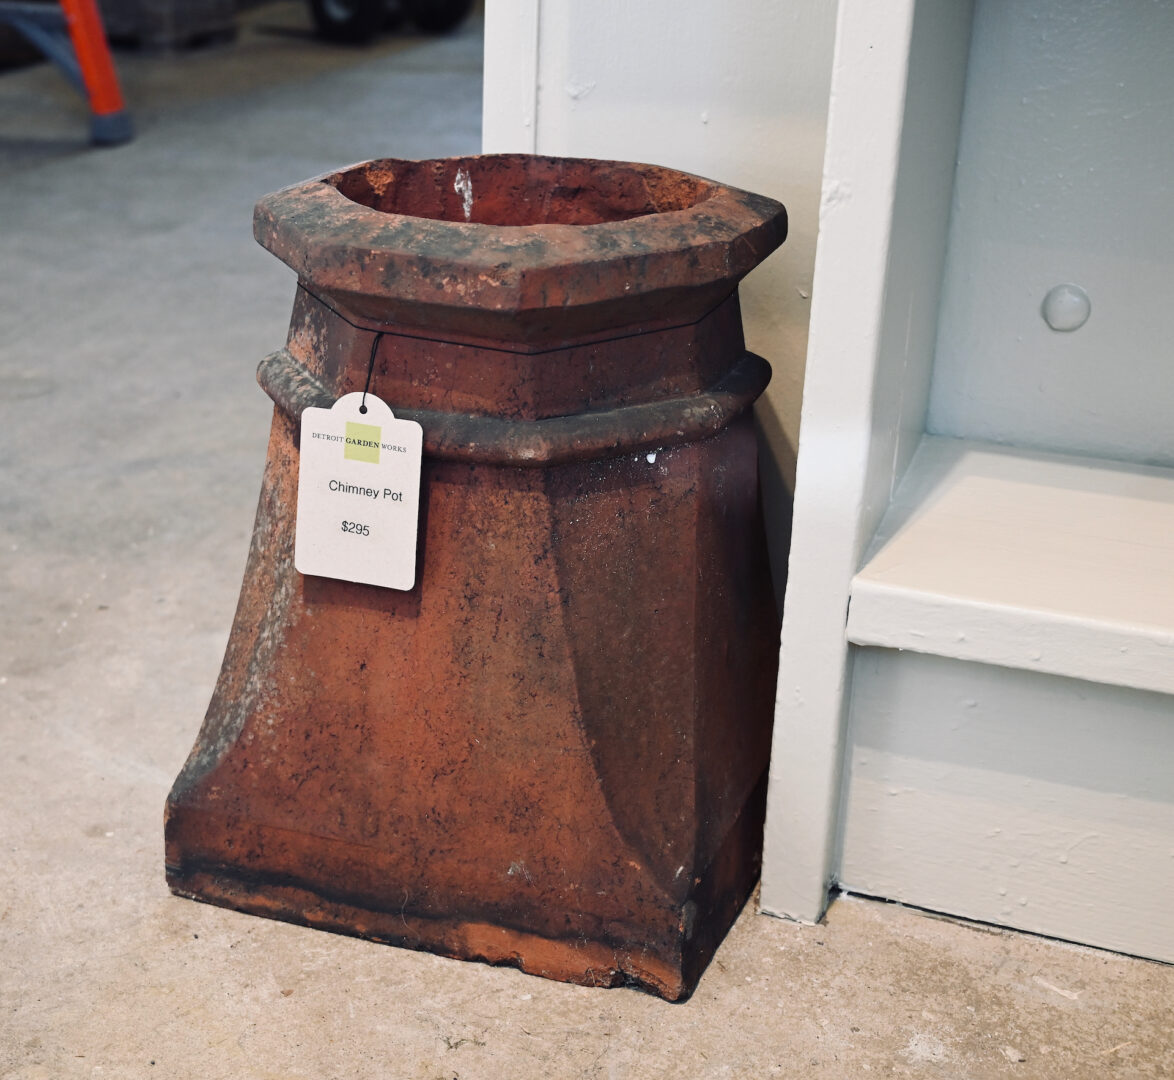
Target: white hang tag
(359, 494)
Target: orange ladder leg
(111, 122)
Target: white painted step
(1047, 562)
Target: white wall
(1065, 174)
(734, 91)
(1004, 795)
(1012, 797)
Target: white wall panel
(1066, 174)
(1012, 797)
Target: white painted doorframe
(896, 101)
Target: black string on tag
(370, 370)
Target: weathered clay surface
(492, 440)
(552, 751)
(551, 249)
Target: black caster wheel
(437, 16)
(350, 21)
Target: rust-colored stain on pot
(551, 752)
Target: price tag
(359, 494)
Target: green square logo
(362, 442)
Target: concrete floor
(135, 307)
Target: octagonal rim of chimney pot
(554, 248)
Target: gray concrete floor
(134, 309)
